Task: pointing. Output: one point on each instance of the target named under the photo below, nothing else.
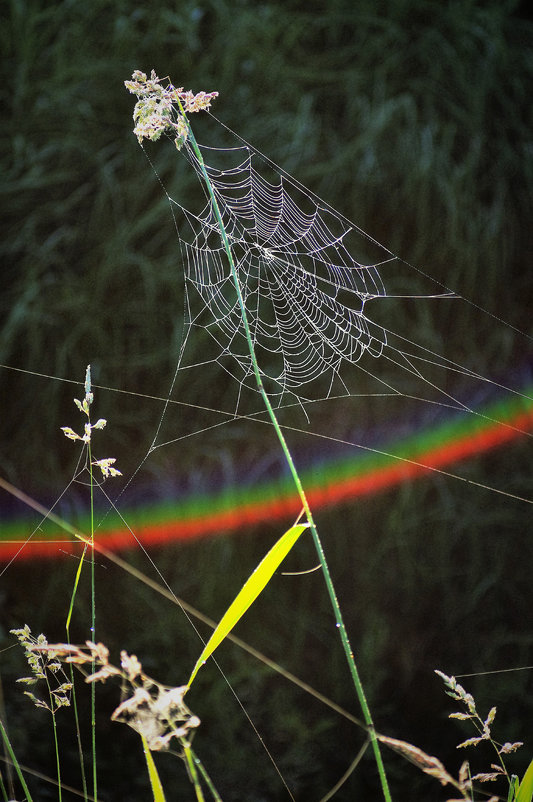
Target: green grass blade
(249, 592)
(155, 782)
(9, 748)
(3, 789)
(513, 788)
(525, 791)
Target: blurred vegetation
(413, 118)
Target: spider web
(303, 289)
(313, 285)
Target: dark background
(413, 119)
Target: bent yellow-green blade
(155, 782)
(525, 792)
(249, 592)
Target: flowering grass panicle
(155, 110)
(45, 667)
(157, 712)
(106, 465)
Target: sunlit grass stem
(294, 473)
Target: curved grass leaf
(513, 788)
(249, 592)
(155, 782)
(525, 791)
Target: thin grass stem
(294, 473)
(56, 748)
(3, 788)
(88, 545)
(78, 732)
(193, 774)
(14, 761)
(205, 776)
(93, 624)
(74, 699)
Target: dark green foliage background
(414, 119)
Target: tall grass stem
(294, 473)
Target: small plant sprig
(518, 792)
(483, 727)
(106, 466)
(155, 110)
(151, 709)
(433, 767)
(45, 667)
(155, 711)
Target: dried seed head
(507, 748)
(429, 764)
(131, 665)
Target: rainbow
(337, 481)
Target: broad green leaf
(249, 592)
(155, 782)
(525, 792)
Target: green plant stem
(14, 761)
(56, 747)
(74, 699)
(93, 635)
(299, 487)
(93, 625)
(205, 776)
(78, 729)
(191, 765)
(3, 788)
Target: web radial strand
(303, 291)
